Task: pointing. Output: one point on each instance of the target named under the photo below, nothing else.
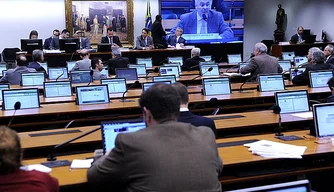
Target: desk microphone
(208, 70)
(17, 106)
(238, 64)
(52, 155)
(247, 80)
(60, 75)
(302, 65)
(161, 62)
(205, 18)
(91, 77)
(136, 83)
(277, 110)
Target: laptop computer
(115, 85)
(80, 76)
(207, 62)
(94, 94)
(2, 87)
(175, 60)
(285, 64)
(292, 101)
(206, 57)
(128, 74)
(234, 58)
(57, 89)
(323, 117)
(32, 79)
(274, 82)
(70, 64)
(141, 69)
(300, 60)
(320, 78)
(147, 85)
(243, 64)
(205, 73)
(288, 55)
(59, 72)
(145, 61)
(174, 64)
(170, 78)
(216, 86)
(296, 71)
(29, 98)
(169, 70)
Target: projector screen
(204, 21)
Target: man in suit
(55, 41)
(298, 37)
(165, 156)
(176, 39)
(204, 20)
(111, 38)
(84, 42)
(330, 84)
(144, 41)
(188, 117)
(158, 33)
(97, 67)
(329, 54)
(317, 63)
(192, 63)
(261, 63)
(83, 64)
(117, 61)
(47, 42)
(13, 76)
(37, 58)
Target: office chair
(9, 56)
(268, 43)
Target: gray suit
(84, 43)
(262, 64)
(170, 156)
(13, 76)
(140, 42)
(98, 76)
(81, 65)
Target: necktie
(145, 42)
(110, 41)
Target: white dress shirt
(201, 23)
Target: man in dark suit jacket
(165, 156)
(330, 83)
(84, 42)
(110, 38)
(176, 39)
(329, 54)
(47, 42)
(37, 58)
(188, 117)
(117, 61)
(55, 41)
(192, 63)
(298, 37)
(144, 41)
(317, 63)
(158, 33)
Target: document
(37, 167)
(306, 115)
(79, 164)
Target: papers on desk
(236, 74)
(80, 164)
(271, 149)
(305, 115)
(51, 51)
(37, 167)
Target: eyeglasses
(202, 4)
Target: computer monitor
(204, 69)
(58, 73)
(70, 64)
(141, 69)
(296, 71)
(69, 45)
(29, 45)
(93, 94)
(115, 85)
(149, 84)
(146, 61)
(216, 86)
(175, 60)
(174, 64)
(4, 72)
(320, 78)
(243, 64)
(292, 101)
(57, 89)
(170, 78)
(323, 117)
(2, 87)
(104, 47)
(300, 60)
(80, 76)
(285, 64)
(32, 79)
(110, 130)
(234, 58)
(3, 67)
(206, 57)
(288, 55)
(274, 82)
(128, 74)
(207, 62)
(310, 39)
(29, 98)
(169, 70)
(105, 71)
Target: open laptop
(110, 129)
(128, 74)
(170, 78)
(32, 79)
(294, 186)
(29, 98)
(141, 69)
(80, 76)
(145, 61)
(323, 117)
(59, 72)
(57, 89)
(216, 86)
(2, 87)
(206, 57)
(169, 70)
(175, 60)
(296, 71)
(285, 64)
(320, 78)
(94, 94)
(300, 60)
(207, 62)
(174, 64)
(292, 101)
(205, 73)
(149, 84)
(70, 64)
(4, 72)
(288, 55)
(243, 64)
(234, 58)
(115, 85)
(271, 82)
(3, 67)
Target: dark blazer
(115, 39)
(304, 79)
(36, 66)
(158, 33)
(172, 40)
(13, 76)
(294, 38)
(330, 99)
(192, 64)
(117, 62)
(140, 42)
(47, 43)
(54, 43)
(195, 120)
(330, 59)
(170, 156)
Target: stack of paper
(78, 163)
(271, 149)
(37, 167)
(51, 51)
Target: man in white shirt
(176, 39)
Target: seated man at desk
(37, 58)
(185, 115)
(330, 84)
(164, 156)
(83, 64)
(329, 54)
(298, 37)
(13, 76)
(261, 63)
(55, 41)
(84, 42)
(11, 176)
(47, 42)
(97, 67)
(111, 38)
(176, 39)
(192, 63)
(144, 41)
(117, 61)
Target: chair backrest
(9, 54)
(268, 43)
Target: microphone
(302, 65)
(161, 62)
(91, 77)
(205, 18)
(247, 80)
(127, 89)
(277, 110)
(156, 70)
(238, 64)
(17, 106)
(209, 70)
(52, 155)
(60, 75)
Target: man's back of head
(183, 92)
(318, 57)
(84, 53)
(21, 60)
(195, 52)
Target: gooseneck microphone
(60, 75)
(205, 18)
(17, 106)
(277, 110)
(208, 70)
(247, 80)
(91, 77)
(136, 83)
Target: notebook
(94, 94)
(234, 58)
(320, 78)
(296, 71)
(80, 76)
(216, 86)
(32, 79)
(149, 84)
(204, 69)
(323, 116)
(169, 70)
(141, 69)
(292, 101)
(115, 85)
(170, 78)
(59, 72)
(175, 60)
(128, 74)
(145, 61)
(288, 55)
(273, 82)
(57, 89)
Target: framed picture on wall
(93, 18)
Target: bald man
(83, 64)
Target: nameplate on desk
(235, 143)
(227, 117)
(54, 133)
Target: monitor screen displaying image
(174, 64)
(3, 67)
(169, 70)
(58, 89)
(149, 84)
(204, 69)
(58, 73)
(288, 55)
(115, 85)
(170, 78)
(296, 71)
(70, 65)
(234, 58)
(94, 94)
(141, 69)
(320, 78)
(175, 60)
(323, 116)
(29, 98)
(206, 57)
(243, 64)
(271, 82)
(2, 87)
(128, 74)
(80, 76)
(216, 86)
(146, 61)
(286, 65)
(300, 60)
(32, 79)
(292, 101)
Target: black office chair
(9, 56)
(268, 43)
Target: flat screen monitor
(175, 60)
(320, 78)
(29, 45)
(310, 39)
(216, 86)
(29, 98)
(149, 84)
(2, 87)
(174, 64)
(146, 61)
(3, 67)
(128, 74)
(296, 71)
(288, 55)
(70, 64)
(292, 101)
(170, 78)
(169, 70)
(32, 79)
(141, 69)
(204, 69)
(57, 89)
(243, 64)
(234, 58)
(58, 73)
(207, 62)
(104, 47)
(94, 94)
(206, 57)
(285, 64)
(115, 85)
(300, 60)
(110, 130)
(4, 72)
(69, 45)
(80, 76)
(273, 82)
(323, 117)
